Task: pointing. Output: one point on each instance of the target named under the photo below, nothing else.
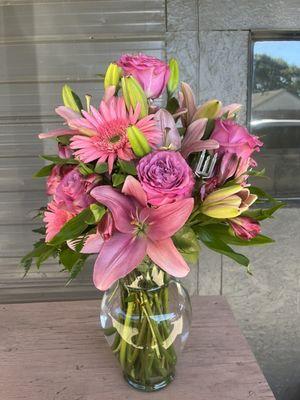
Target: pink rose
(165, 177)
(72, 193)
(234, 138)
(54, 179)
(245, 227)
(152, 73)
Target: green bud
(209, 110)
(70, 99)
(134, 94)
(138, 142)
(174, 76)
(112, 75)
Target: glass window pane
(275, 113)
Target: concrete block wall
(211, 41)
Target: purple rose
(234, 138)
(151, 73)
(165, 177)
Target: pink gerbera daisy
(103, 132)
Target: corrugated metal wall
(42, 45)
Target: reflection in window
(275, 113)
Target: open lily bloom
(140, 231)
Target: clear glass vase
(146, 320)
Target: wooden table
(56, 351)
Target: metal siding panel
(42, 45)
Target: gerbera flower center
(112, 135)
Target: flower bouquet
(139, 185)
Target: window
(275, 111)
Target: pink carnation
(152, 73)
(57, 174)
(71, 196)
(165, 177)
(234, 138)
(55, 218)
(73, 192)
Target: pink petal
(188, 101)
(167, 257)
(109, 92)
(93, 244)
(167, 219)
(56, 133)
(120, 206)
(193, 136)
(132, 187)
(67, 113)
(117, 258)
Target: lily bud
(209, 110)
(70, 99)
(228, 202)
(112, 76)
(138, 141)
(174, 76)
(133, 95)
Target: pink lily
(140, 231)
(192, 141)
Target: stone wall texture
(211, 40)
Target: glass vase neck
(147, 276)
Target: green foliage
(210, 239)
(187, 244)
(172, 105)
(118, 179)
(101, 168)
(222, 231)
(127, 167)
(44, 171)
(271, 74)
(59, 161)
(263, 213)
(41, 252)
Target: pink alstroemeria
(140, 231)
(192, 141)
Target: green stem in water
(126, 333)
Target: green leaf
(222, 231)
(98, 212)
(259, 174)
(41, 230)
(68, 258)
(45, 171)
(261, 194)
(118, 179)
(101, 168)
(41, 252)
(128, 167)
(73, 228)
(84, 169)
(187, 244)
(263, 213)
(77, 267)
(59, 161)
(214, 243)
(172, 105)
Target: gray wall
(211, 39)
(44, 44)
